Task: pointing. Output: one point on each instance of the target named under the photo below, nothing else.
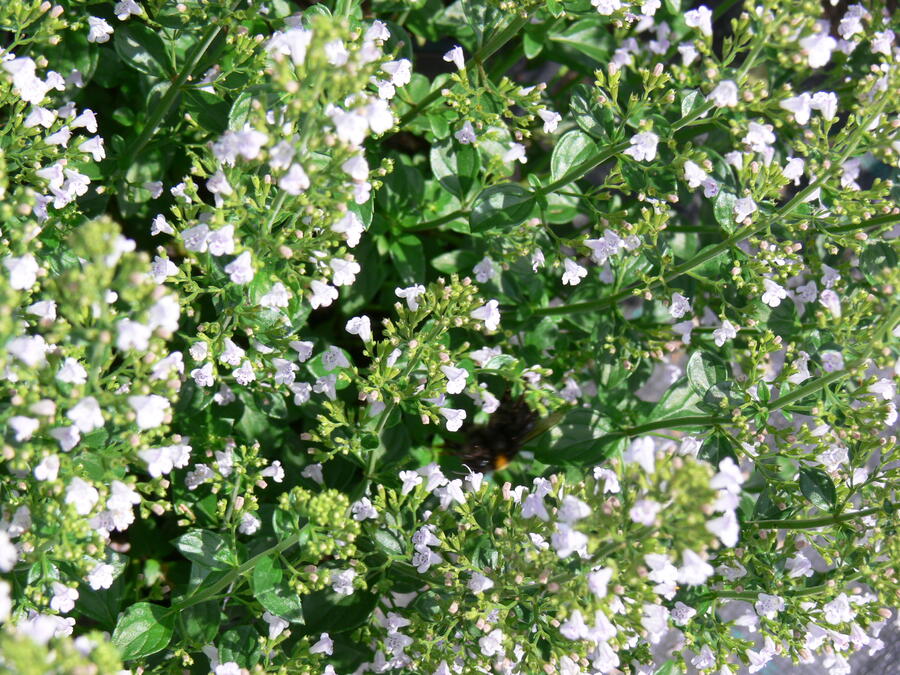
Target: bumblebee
(491, 446)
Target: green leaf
(876, 259)
(670, 667)
(240, 645)
(679, 400)
(818, 488)
(582, 438)
(703, 371)
(144, 629)
(329, 612)
(765, 508)
(409, 258)
(715, 449)
(573, 149)
(595, 119)
(273, 592)
(690, 101)
(200, 623)
(141, 48)
(587, 36)
(501, 207)
(206, 548)
(456, 166)
(723, 210)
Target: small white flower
(454, 418)
(643, 146)
(516, 152)
(344, 271)
(679, 306)
(63, 599)
(551, 120)
(22, 271)
(86, 415)
(774, 293)
(455, 56)
(82, 495)
(725, 332)
(99, 30)
(743, 208)
(48, 469)
(800, 106)
(411, 295)
(818, 48)
(725, 94)
(361, 326)
(466, 133)
(573, 274)
(826, 103)
(489, 313)
(325, 645)
(456, 378)
(150, 410)
(700, 18)
(322, 294)
(240, 270)
(276, 624)
(101, 577)
(485, 270)
(769, 605)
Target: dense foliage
(282, 282)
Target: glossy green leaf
(574, 148)
(206, 548)
(818, 488)
(456, 166)
(141, 48)
(679, 400)
(723, 209)
(144, 629)
(703, 370)
(273, 592)
(501, 207)
(588, 36)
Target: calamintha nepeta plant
(268, 266)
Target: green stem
(813, 523)
(753, 595)
(584, 167)
(888, 219)
(720, 248)
(672, 423)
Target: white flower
(679, 306)
(323, 294)
(24, 427)
(29, 349)
(466, 133)
(799, 566)
(362, 326)
(8, 553)
(572, 510)
(454, 417)
(400, 71)
(22, 271)
(573, 274)
(825, 102)
(363, 509)
(830, 301)
(240, 270)
(489, 313)
(800, 106)
(455, 56)
(839, 610)
(516, 152)
(743, 208)
(344, 271)
(83, 495)
(99, 30)
(244, 375)
(699, 18)
(150, 410)
(325, 645)
(694, 570)
(725, 332)
(725, 94)
(644, 511)
(276, 624)
(125, 8)
(643, 146)
(551, 120)
(485, 270)
(655, 621)
(292, 43)
(456, 378)
(410, 480)
(818, 48)
(63, 599)
(793, 170)
(774, 293)
(411, 295)
(342, 582)
(492, 643)
(769, 605)
(48, 469)
(641, 451)
(681, 614)
(101, 577)
(86, 415)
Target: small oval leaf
(144, 629)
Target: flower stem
(813, 523)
